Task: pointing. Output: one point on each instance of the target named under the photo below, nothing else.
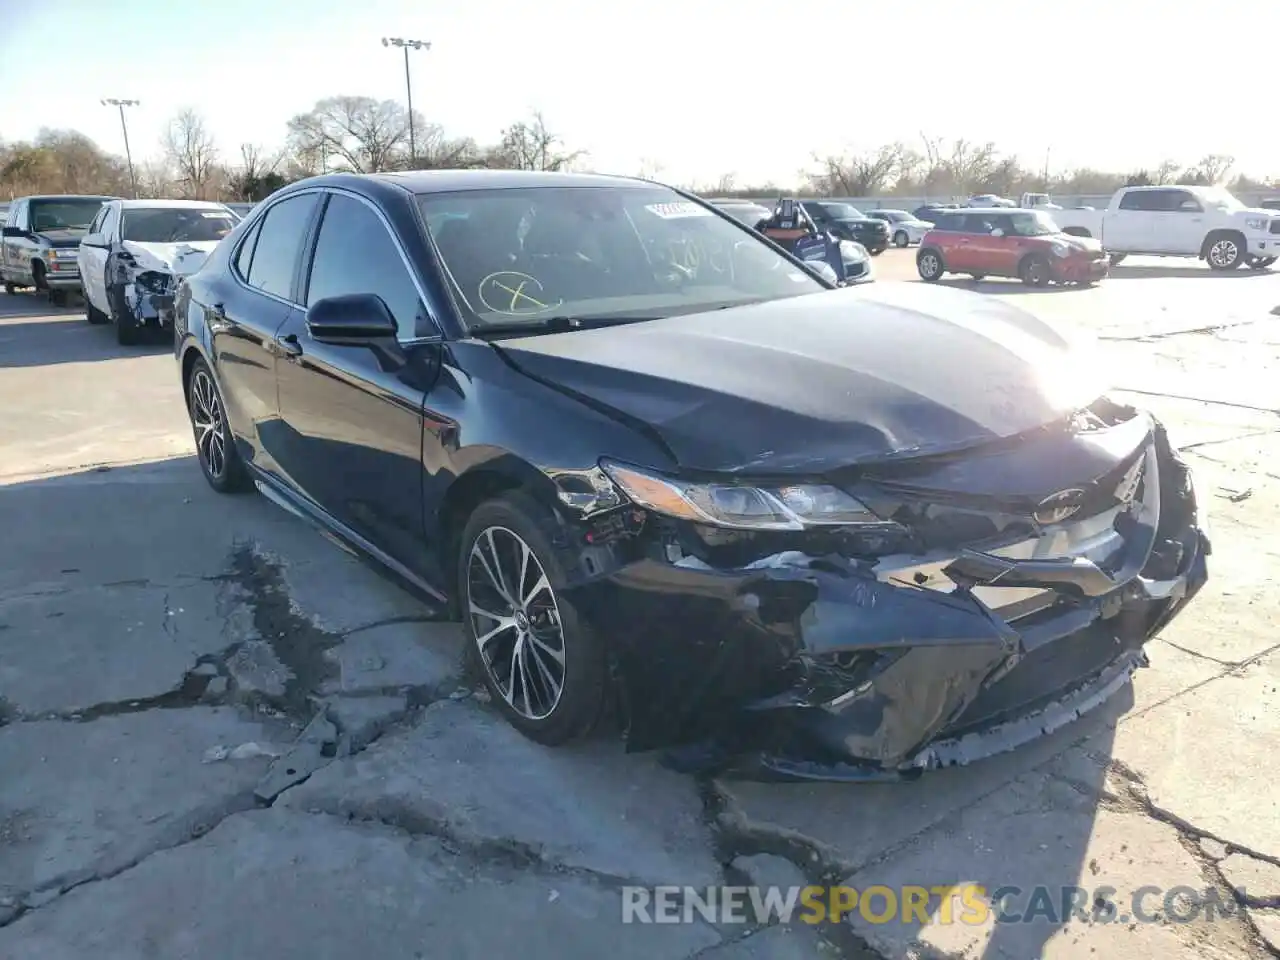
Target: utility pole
(406, 46)
(1047, 151)
(124, 128)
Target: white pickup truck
(1177, 221)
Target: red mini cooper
(1026, 244)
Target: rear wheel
(900, 239)
(1116, 258)
(542, 665)
(929, 264)
(1035, 271)
(215, 446)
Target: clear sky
(701, 87)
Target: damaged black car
(661, 470)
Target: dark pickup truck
(847, 222)
(40, 245)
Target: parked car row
(124, 256)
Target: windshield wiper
(550, 325)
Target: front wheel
(929, 264)
(1035, 272)
(1116, 258)
(542, 665)
(1225, 251)
(215, 446)
(900, 239)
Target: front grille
(1275, 226)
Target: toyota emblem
(1059, 506)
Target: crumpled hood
(180, 259)
(810, 383)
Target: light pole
(124, 128)
(406, 45)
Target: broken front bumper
(800, 667)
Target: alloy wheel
(930, 266)
(516, 622)
(1223, 253)
(207, 422)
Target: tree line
(345, 133)
(365, 135)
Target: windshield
(64, 214)
(893, 216)
(1218, 197)
(175, 225)
(530, 255)
(842, 211)
(1033, 224)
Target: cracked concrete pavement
(220, 735)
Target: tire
(128, 332)
(58, 298)
(11, 288)
(512, 525)
(930, 265)
(1260, 263)
(900, 239)
(1035, 271)
(1116, 258)
(225, 473)
(1225, 251)
(978, 277)
(93, 314)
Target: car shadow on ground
(66, 337)
(1002, 286)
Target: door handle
(289, 345)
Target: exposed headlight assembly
(735, 506)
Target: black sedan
(650, 461)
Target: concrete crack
(391, 621)
(188, 830)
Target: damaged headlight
(789, 507)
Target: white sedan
(135, 252)
(904, 229)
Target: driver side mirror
(14, 232)
(997, 232)
(352, 320)
(94, 240)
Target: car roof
(735, 201)
(174, 204)
(985, 210)
(64, 196)
(442, 181)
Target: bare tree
(968, 164)
(257, 178)
(1167, 172)
(359, 134)
(190, 150)
(858, 174)
(530, 145)
(1215, 167)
